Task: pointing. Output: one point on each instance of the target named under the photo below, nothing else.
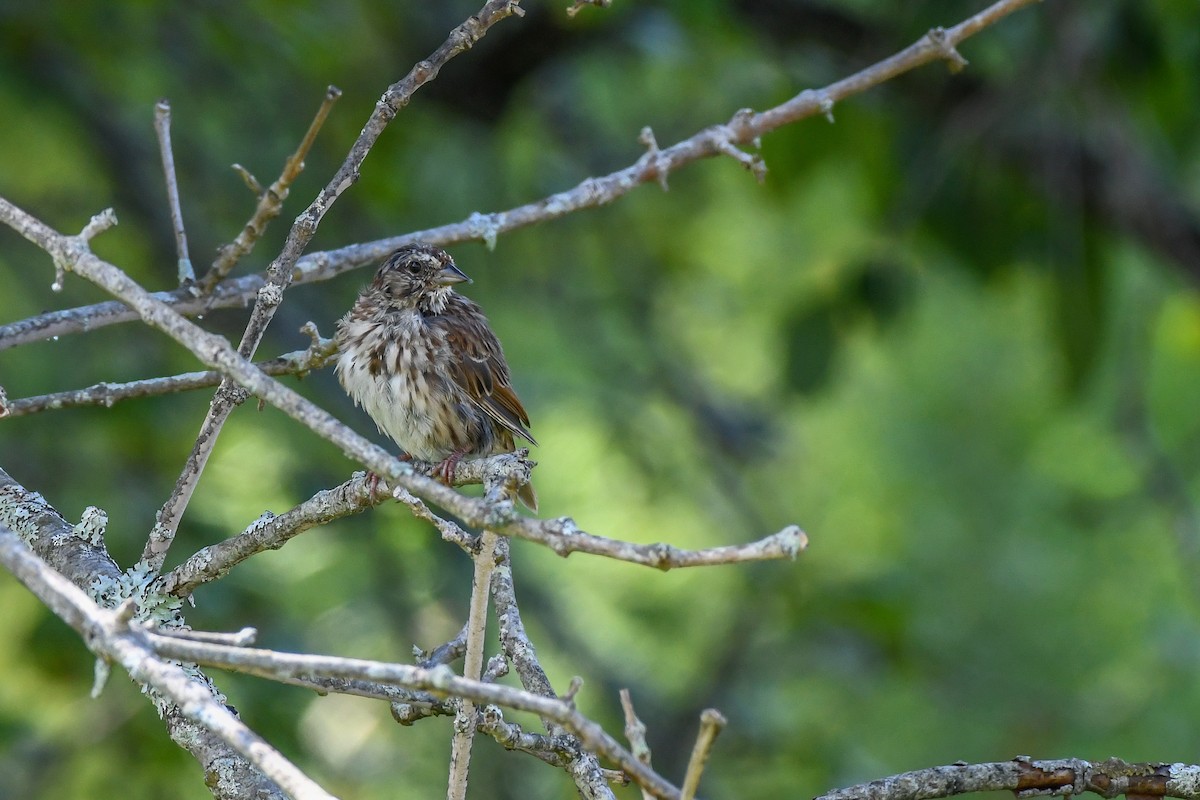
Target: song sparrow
(423, 362)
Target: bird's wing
(479, 367)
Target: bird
(423, 362)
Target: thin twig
(635, 734)
(162, 127)
(299, 362)
(447, 652)
(268, 532)
(450, 531)
(590, 193)
(270, 200)
(579, 5)
(711, 723)
(464, 720)
(243, 638)
(281, 271)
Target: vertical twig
(711, 723)
(162, 126)
(635, 734)
(585, 766)
(270, 200)
(464, 720)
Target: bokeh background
(955, 336)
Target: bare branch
(270, 200)
(85, 563)
(554, 750)
(1026, 777)
(109, 635)
(561, 534)
(563, 537)
(162, 127)
(464, 720)
(590, 193)
(298, 362)
(450, 531)
(166, 522)
(243, 638)
(280, 273)
(268, 532)
(440, 681)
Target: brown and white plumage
(423, 362)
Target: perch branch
(560, 534)
(353, 496)
(590, 193)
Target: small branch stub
(98, 224)
(581, 4)
(826, 105)
(485, 227)
(248, 178)
(724, 142)
(954, 60)
(653, 161)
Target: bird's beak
(450, 275)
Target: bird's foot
(373, 479)
(445, 470)
(372, 484)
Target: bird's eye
(413, 268)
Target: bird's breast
(390, 367)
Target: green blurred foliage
(955, 336)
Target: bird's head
(418, 275)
